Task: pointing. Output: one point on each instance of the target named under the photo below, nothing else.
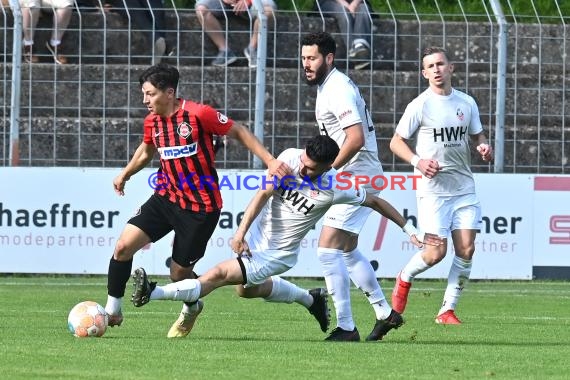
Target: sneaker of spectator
(355, 25)
(31, 12)
(224, 58)
(360, 53)
(170, 50)
(28, 55)
(359, 50)
(362, 64)
(149, 18)
(159, 50)
(58, 58)
(212, 13)
(251, 55)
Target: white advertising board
(67, 220)
(551, 221)
(503, 247)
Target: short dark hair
(322, 149)
(323, 40)
(161, 76)
(432, 50)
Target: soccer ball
(87, 319)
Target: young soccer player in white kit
(444, 120)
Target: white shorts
(442, 214)
(350, 218)
(264, 264)
(49, 4)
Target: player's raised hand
(485, 151)
(278, 169)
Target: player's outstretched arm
(238, 244)
(275, 167)
(386, 209)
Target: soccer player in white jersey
(342, 114)
(278, 218)
(444, 120)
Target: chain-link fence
(88, 112)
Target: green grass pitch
(511, 330)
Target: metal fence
(89, 112)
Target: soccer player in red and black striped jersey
(181, 131)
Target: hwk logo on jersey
(460, 114)
(184, 130)
(297, 200)
(222, 118)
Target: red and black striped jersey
(187, 174)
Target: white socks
(338, 285)
(113, 305)
(287, 292)
(364, 278)
(185, 290)
(458, 276)
(415, 266)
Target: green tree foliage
(527, 11)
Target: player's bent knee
(250, 292)
(179, 272)
(241, 291)
(122, 251)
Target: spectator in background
(31, 15)
(353, 19)
(148, 17)
(210, 12)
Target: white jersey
(443, 124)
(340, 105)
(293, 211)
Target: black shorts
(192, 230)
